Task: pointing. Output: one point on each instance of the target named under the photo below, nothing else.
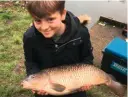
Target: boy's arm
(86, 54)
(31, 65)
(86, 48)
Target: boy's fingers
(33, 91)
(46, 93)
(42, 92)
(84, 88)
(39, 92)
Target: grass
(13, 23)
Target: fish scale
(66, 75)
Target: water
(113, 9)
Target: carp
(64, 80)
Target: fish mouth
(28, 85)
(25, 84)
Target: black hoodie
(73, 47)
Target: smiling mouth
(47, 32)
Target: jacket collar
(71, 28)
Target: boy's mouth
(47, 33)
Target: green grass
(13, 23)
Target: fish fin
(112, 77)
(73, 90)
(58, 87)
(116, 87)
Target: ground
(100, 37)
(14, 21)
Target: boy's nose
(44, 26)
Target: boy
(55, 38)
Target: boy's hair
(42, 9)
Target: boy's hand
(33, 91)
(41, 92)
(85, 88)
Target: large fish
(68, 79)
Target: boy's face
(50, 25)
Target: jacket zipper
(66, 43)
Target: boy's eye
(37, 20)
(50, 19)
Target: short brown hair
(42, 9)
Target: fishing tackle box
(114, 60)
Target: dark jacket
(73, 47)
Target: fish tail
(116, 87)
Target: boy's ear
(64, 14)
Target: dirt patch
(19, 68)
(4, 4)
(100, 37)
(7, 4)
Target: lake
(112, 9)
